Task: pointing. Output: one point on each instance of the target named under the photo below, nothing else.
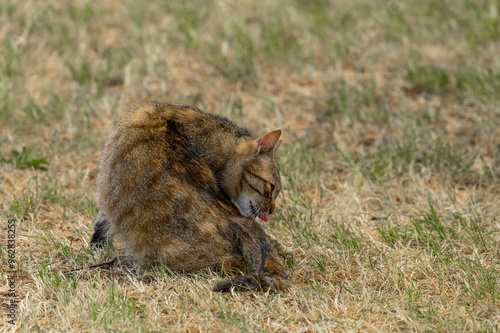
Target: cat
(183, 187)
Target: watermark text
(12, 271)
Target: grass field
(390, 160)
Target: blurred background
(351, 75)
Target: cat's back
(157, 192)
(147, 135)
(154, 118)
(213, 137)
(148, 158)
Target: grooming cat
(168, 180)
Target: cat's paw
(275, 283)
(286, 252)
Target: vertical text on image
(12, 271)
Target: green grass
(23, 159)
(22, 205)
(414, 156)
(481, 84)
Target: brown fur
(168, 183)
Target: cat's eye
(260, 185)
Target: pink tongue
(262, 217)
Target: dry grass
(390, 160)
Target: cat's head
(253, 177)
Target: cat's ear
(278, 144)
(268, 143)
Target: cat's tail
(100, 237)
(256, 249)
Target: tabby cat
(183, 187)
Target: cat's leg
(101, 236)
(256, 249)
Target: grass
(23, 159)
(390, 159)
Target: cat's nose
(271, 209)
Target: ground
(390, 161)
